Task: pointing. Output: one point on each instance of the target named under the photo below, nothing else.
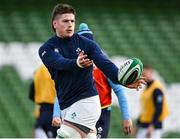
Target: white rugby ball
(130, 71)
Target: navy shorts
(103, 124)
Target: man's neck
(64, 38)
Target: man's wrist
(151, 125)
(78, 64)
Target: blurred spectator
(42, 93)
(154, 107)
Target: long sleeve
(56, 109)
(122, 99)
(158, 102)
(51, 58)
(104, 64)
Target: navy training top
(72, 82)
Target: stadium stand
(147, 30)
(15, 107)
(150, 33)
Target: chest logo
(78, 50)
(56, 50)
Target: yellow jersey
(147, 104)
(45, 91)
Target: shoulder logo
(43, 53)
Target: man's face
(64, 25)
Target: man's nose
(70, 23)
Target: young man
(104, 87)
(154, 107)
(69, 57)
(42, 93)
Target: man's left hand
(127, 126)
(150, 131)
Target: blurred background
(149, 30)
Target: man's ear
(54, 24)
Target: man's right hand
(83, 61)
(138, 84)
(56, 121)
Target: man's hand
(83, 61)
(56, 121)
(138, 84)
(150, 131)
(127, 126)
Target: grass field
(116, 127)
(16, 118)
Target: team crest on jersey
(73, 115)
(56, 50)
(78, 50)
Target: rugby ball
(130, 71)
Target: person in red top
(104, 88)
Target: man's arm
(55, 60)
(122, 99)
(103, 63)
(123, 105)
(109, 68)
(158, 102)
(56, 109)
(56, 121)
